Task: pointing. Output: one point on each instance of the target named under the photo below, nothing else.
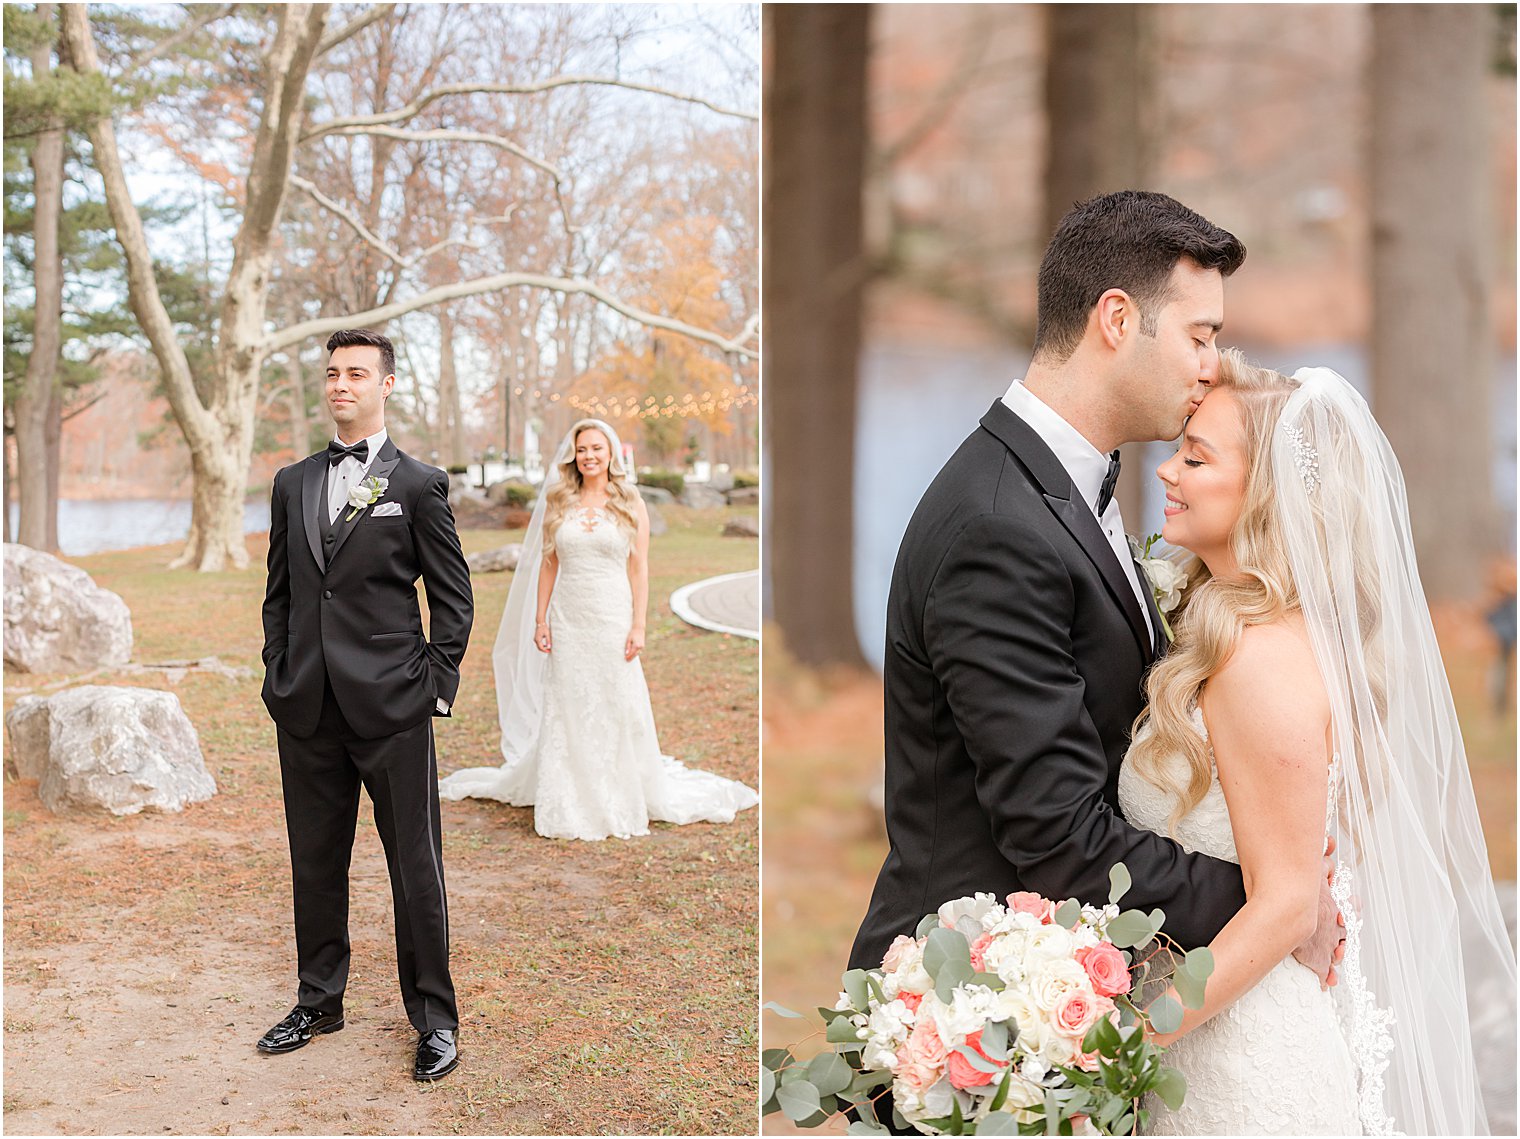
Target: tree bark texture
(39, 403)
(1432, 342)
(815, 270)
(1101, 108)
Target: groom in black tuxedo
(353, 684)
(1019, 627)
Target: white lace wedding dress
(597, 771)
(1277, 1061)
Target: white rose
(1051, 980)
(915, 980)
(975, 908)
(1049, 943)
(1015, 1006)
(1059, 1049)
(1167, 582)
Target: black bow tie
(1110, 480)
(337, 452)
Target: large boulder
(112, 748)
(744, 496)
(57, 619)
(701, 497)
(656, 495)
(742, 526)
(657, 523)
(721, 481)
(497, 560)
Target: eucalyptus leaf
(861, 1127)
(1068, 913)
(842, 1031)
(828, 1073)
(976, 1061)
(998, 1123)
(1165, 1014)
(1171, 1086)
(875, 988)
(870, 1081)
(994, 1040)
(798, 1100)
(776, 1058)
(944, 946)
(1200, 962)
(951, 974)
(1052, 1115)
(780, 1010)
(1118, 882)
(767, 1085)
(925, 924)
(1131, 929)
(990, 980)
(1189, 987)
(854, 985)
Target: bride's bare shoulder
(1270, 679)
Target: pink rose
(1077, 1011)
(979, 952)
(921, 1057)
(1105, 968)
(960, 1071)
(901, 946)
(1028, 902)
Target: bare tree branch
(378, 243)
(447, 135)
(84, 407)
(314, 328)
(401, 114)
(353, 27)
(164, 46)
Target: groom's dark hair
(1130, 240)
(364, 338)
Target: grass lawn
(604, 987)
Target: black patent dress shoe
(297, 1029)
(437, 1055)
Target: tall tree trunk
(52, 442)
(814, 272)
(1431, 337)
(1100, 109)
(38, 404)
(300, 422)
(218, 431)
(450, 410)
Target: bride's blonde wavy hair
(1209, 618)
(621, 494)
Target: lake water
(87, 526)
(916, 405)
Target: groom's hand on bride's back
(1327, 944)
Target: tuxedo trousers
(322, 775)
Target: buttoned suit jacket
(347, 609)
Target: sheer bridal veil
(1427, 950)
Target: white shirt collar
(376, 441)
(1086, 465)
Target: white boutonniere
(364, 494)
(1165, 578)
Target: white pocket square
(387, 510)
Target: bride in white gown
(1304, 697)
(578, 734)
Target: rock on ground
(497, 560)
(743, 526)
(57, 619)
(657, 523)
(113, 748)
(656, 495)
(700, 497)
(744, 496)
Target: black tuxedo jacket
(1014, 659)
(342, 607)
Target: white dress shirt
(351, 472)
(1087, 467)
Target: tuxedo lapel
(312, 500)
(381, 468)
(1052, 480)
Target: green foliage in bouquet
(1109, 1100)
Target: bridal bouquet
(1000, 1018)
